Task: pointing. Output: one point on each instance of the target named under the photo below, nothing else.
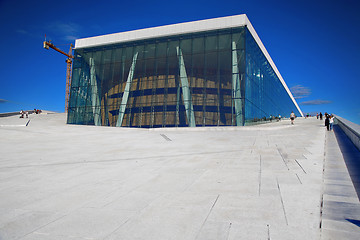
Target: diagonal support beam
(236, 86)
(125, 97)
(189, 109)
(95, 99)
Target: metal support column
(236, 86)
(95, 99)
(125, 97)
(186, 90)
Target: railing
(351, 129)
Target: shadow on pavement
(351, 156)
(353, 221)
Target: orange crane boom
(48, 45)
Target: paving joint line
(118, 160)
(260, 175)
(323, 185)
(300, 166)
(166, 137)
(207, 216)
(44, 225)
(228, 233)
(282, 202)
(283, 158)
(308, 151)
(121, 225)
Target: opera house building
(213, 72)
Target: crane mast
(47, 45)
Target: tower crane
(47, 45)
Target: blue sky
(314, 44)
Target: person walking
(292, 117)
(331, 122)
(320, 116)
(327, 122)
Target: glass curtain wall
(265, 96)
(215, 78)
(188, 80)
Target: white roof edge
(163, 31)
(181, 28)
(263, 49)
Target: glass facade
(213, 78)
(265, 96)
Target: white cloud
(71, 38)
(315, 102)
(22, 31)
(299, 91)
(66, 31)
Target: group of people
(37, 111)
(26, 113)
(329, 120)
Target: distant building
(213, 72)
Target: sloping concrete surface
(341, 207)
(61, 181)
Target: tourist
(331, 121)
(320, 116)
(292, 117)
(327, 121)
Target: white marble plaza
(270, 181)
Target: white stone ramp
(61, 181)
(341, 206)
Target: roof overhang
(183, 28)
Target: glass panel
(211, 43)
(161, 50)
(185, 46)
(198, 65)
(127, 55)
(150, 51)
(225, 42)
(172, 48)
(225, 62)
(117, 55)
(211, 63)
(198, 45)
